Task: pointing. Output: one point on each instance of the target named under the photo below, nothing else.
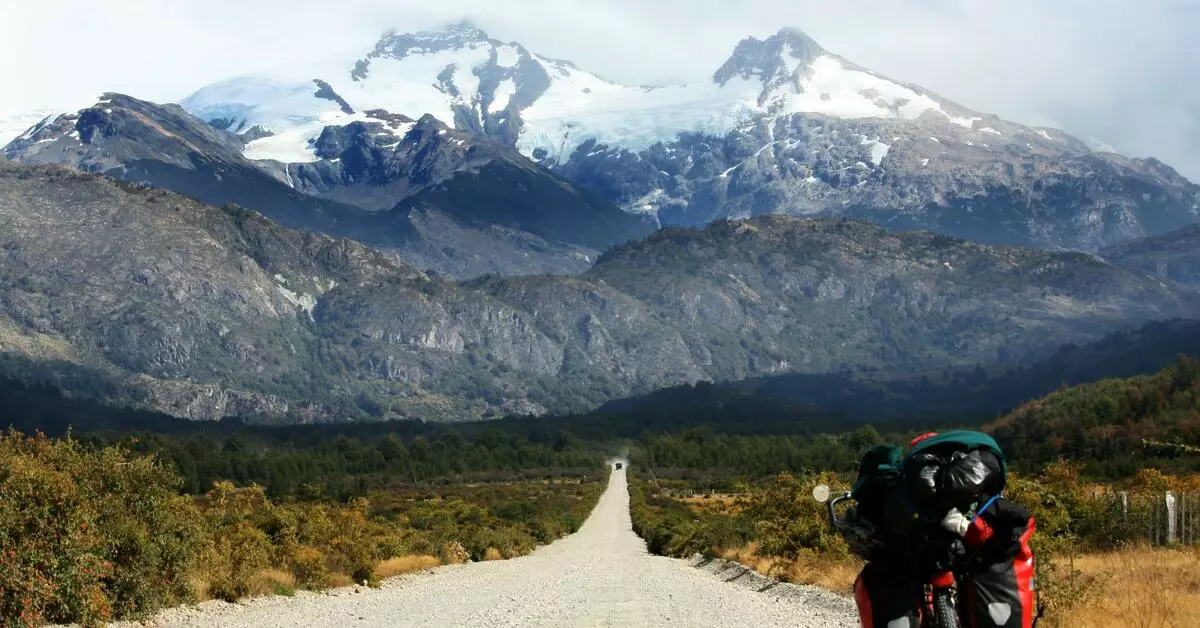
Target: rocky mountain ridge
(144, 296)
(446, 200)
(469, 156)
(783, 126)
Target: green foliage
(671, 528)
(341, 462)
(756, 456)
(789, 522)
(779, 516)
(1116, 425)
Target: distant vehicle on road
(618, 467)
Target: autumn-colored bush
(1074, 522)
(86, 536)
(788, 522)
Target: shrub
(273, 581)
(239, 552)
(788, 521)
(454, 553)
(90, 535)
(308, 566)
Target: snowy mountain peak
(454, 37)
(771, 60)
(782, 125)
(551, 109)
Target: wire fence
(1161, 519)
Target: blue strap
(986, 505)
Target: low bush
(672, 528)
(91, 535)
(777, 528)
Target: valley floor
(600, 576)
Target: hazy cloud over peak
(1119, 70)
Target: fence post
(1124, 502)
(1187, 512)
(1171, 521)
(1183, 519)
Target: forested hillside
(1115, 426)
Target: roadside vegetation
(118, 522)
(748, 498)
(92, 534)
(1083, 541)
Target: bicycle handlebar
(832, 504)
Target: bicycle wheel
(944, 613)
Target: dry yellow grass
(720, 502)
(1140, 588)
(201, 587)
(807, 569)
(337, 580)
(405, 564)
(271, 582)
(493, 554)
(835, 575)
(1136, 588)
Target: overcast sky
(1123, 71)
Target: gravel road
(599, 576)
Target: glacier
(466, 79)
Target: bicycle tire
(945, 615)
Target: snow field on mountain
(879, 150)
(507, 56)
(438, 72)
(409, 85)
(580, 106)
(273, 104)
(502, 95)
(835, 90)
(293, 143)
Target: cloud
(1122, 71)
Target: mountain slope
(1115, 423)
(783, 126)
(398, 166)
(1174, 256)
(383, 186)
(198, 311)
(788, 289)
(956, 395)
(13, 127)
(144, 296)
